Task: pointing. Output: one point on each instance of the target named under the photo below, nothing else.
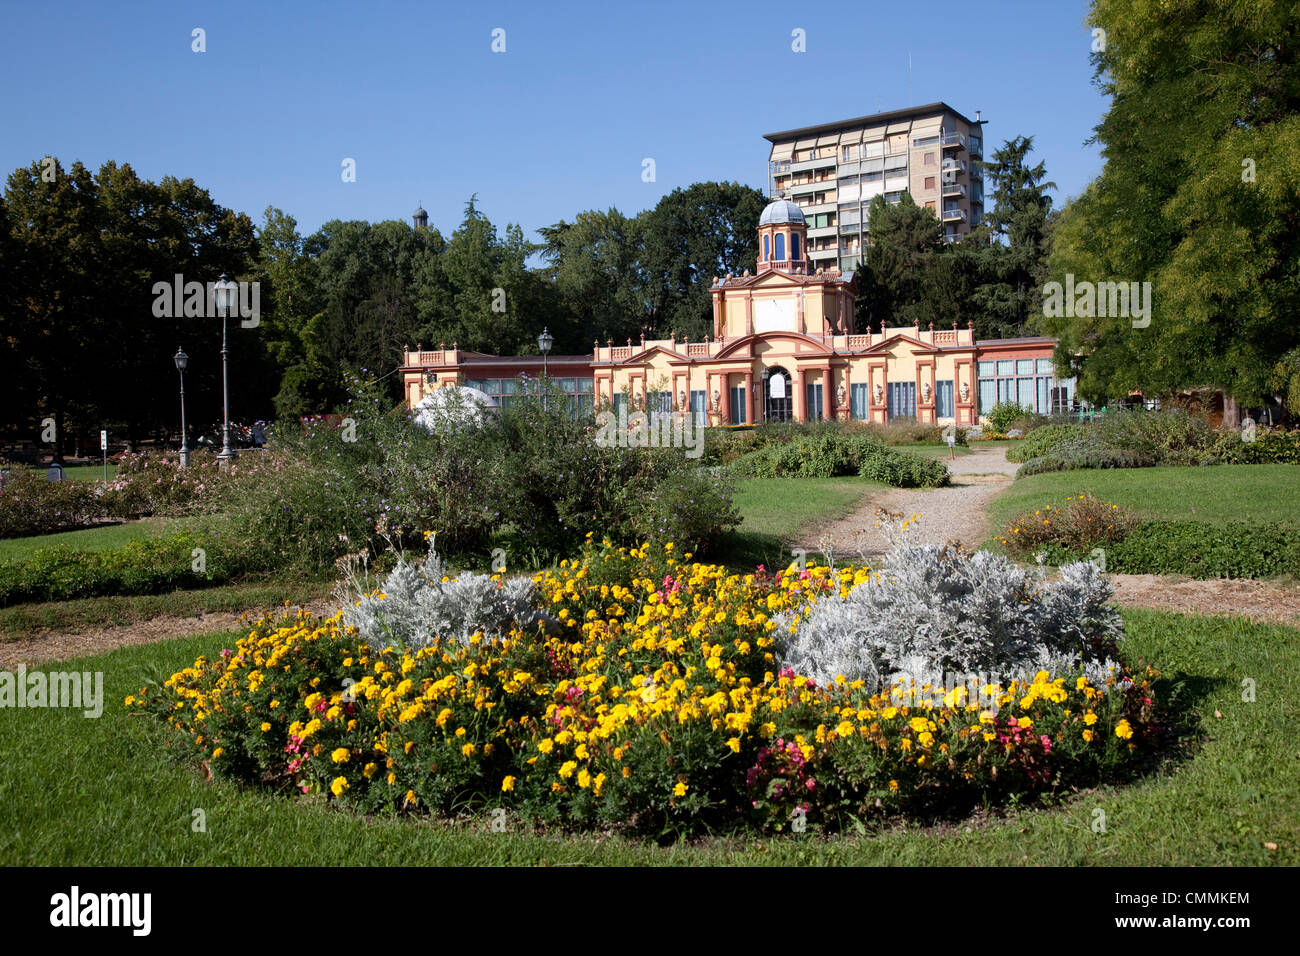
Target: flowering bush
(1085, 522)
(156, 484)
(30, 505)
(656, 702)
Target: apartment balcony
(953, 141)
(828, 253)
(954, 215)
(958, 165)
(976, 146)
(821, 162)
(850, 252)
(803, 189)
(850, 226)
(954, 189)
(822, 231)
(817, 208)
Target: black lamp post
(544, 343)
(225, 295)
(182, 361)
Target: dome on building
(780, 211)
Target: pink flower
(810, 783)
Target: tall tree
(906, 240)
(692, 236)
(594, 264)
(1197, 197)
(1016, 258)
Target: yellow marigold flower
(626, 773)
(893, 785)
(467, 750)
(844, 728)
(1123, 730)
(507, 784)
(598, 784)
(392, 779)
(734, 744)
(567, 768)
(218, 752)
(680, 790)
(1088, 735)
(370, 770)
(1089, 718)
(545, 746)
(265, 726)
(339, 785)
(584, 778)
(341, 755)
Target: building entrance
(777, 388)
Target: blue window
(813, 391)
(698, 408)
(901, 399)
(767, 252)
(780, 246)
(794, 247)
(988, 395)
(943, 399)
(620, 404)
(859, 401)
(738, 394)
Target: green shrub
(1201, 550)
(903, 470)
(31, 505)
(1269, 446)
(829, 454)
(151, 566)
(1042, 440)
(1001, 415)
(533, 480)
(1071, 456)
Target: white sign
(776, 385)
(103, 440)
(951, 441)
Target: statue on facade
(965, 392)
(878, 393)
(925, 392)
(839, 396)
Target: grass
(1221, 494)
(89, 539)
(28, 620)
(95, 792)
(776, 509)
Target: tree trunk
(1231, 412)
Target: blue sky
(558, 123)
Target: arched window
(767, 252)
(780, 246)
(794, 246)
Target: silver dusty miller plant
(418, 606)
(935, 611)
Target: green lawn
(94, 792)
(89, 539)
(27, 620)
(775, 509)
(1219, 494)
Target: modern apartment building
(834, 170)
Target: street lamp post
(182, 360)
(225, 295)
(544, 343)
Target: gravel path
(955, 513)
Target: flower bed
(647, 695)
